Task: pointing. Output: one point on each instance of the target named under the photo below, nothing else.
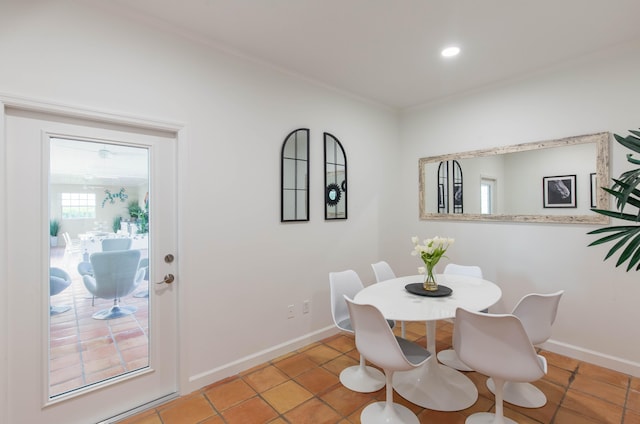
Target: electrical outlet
(290, 311)
(305, 307)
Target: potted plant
(143, 220)
(115, 225)
(134, 210)
(54, 229)
(627, 197)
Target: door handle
(168, 279)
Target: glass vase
(430, 283)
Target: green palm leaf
(631, 249)
(635, 259)
(626, 238)
(631, 142)
(625, 190)
(616, 214)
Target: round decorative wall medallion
(333, 194)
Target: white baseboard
(206, 378)
(597, 358)
(198, 381)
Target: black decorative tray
(418, 288)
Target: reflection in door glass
(99, 267)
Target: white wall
(596, 94)
(239, 266)
(529, 168)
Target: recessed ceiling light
(450, 51)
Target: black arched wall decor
(443, 187)
(294, 176)
(335, 179)
(447, 185)
(457, 187)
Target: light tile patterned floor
(84, 350)
(303, 388)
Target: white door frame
(32, 105)
(4, 302)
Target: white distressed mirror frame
(601, 140)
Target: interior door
(35, 340)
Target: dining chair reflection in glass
(120, 243)
(115, 275)
(144, 263)
(72, 247)
(59, 280)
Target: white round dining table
(432, 385)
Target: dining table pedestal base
(432, 385)
(436, 386)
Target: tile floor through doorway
(303, 388)
(84, 350)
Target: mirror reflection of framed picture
(594, 190)
(457, 198)
(457, 195)
(559, 191)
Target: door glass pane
(98, 278)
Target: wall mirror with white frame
(508, 183)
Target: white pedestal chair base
(362, 379)
(115, 311)
(141, 294)
(55, 310)
(487, 418)
(381, 413)
(525, 395)
(450, 358)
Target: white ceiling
(387, 51)
(95, 165)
